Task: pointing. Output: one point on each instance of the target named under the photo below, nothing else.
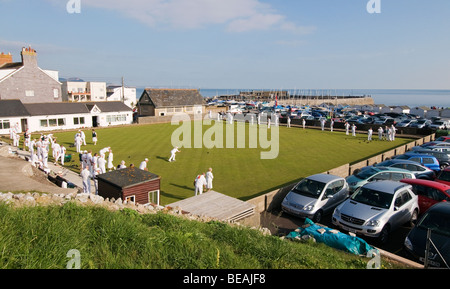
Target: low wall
(269, 201)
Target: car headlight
(337, 213)
(308, 208)
(353, 184)
(373, 223)
(408, 244)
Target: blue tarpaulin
(332, 238)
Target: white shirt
(143, 165)
(200, 181)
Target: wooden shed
(130, 184)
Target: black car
(442, 157)
(436, 219)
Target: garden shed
(130, 184)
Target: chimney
(29, 57)
(5, 59)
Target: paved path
(17, 174)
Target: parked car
(406, 123)
(420, 171)
(377, 209)
(440, 124)
(424, 159)
(315, 196)
(421, 123)
(443, 158)
(373, 174)
(443, 138)
(429, 192)
(431, 145)
(444, 177)
(436, 219)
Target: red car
(429, 192)
(444, 177)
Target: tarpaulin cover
(332, 238)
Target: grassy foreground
(41, 237)
(238, 172)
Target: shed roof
(128, 177)
(13, 107)
(171, 97)
(58, 108)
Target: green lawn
(239, 173)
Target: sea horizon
(391, 97)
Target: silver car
(376, 209)
(315, 195)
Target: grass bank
(41, 237)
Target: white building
(39, 117)
(122, 93)
(77, 91)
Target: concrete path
(17, 174)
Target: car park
(437, 221)
(424, 159)
(373, 174)
(420, 171)
(376, 209)
(315, 196)
(444, 177)
(429, 192)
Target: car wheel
(443, 166)
(384, 235)
(317, 216)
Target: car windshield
(437, 222)
(309, 188)
(373, 198)
(365, 174)
(444, 176)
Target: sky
(219, 44)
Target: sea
(389, 97)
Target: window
(397, 176)
(116, 118)
(428, 161)
(55, 93)
(131, 199)
(5, 124)
(153, 197)
(53, 122)
(29, 93)
(380, 177)
(44, 123)
(78, 120)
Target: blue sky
(273, 44)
